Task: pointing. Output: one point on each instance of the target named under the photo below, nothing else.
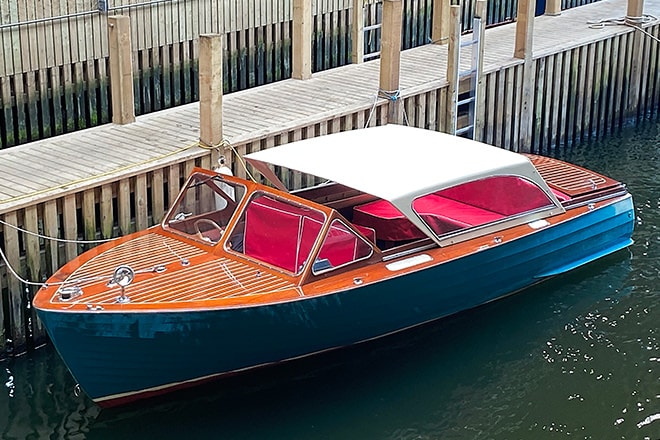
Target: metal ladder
(473, 73)
(373, 27)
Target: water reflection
(577, 356)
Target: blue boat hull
(118, 357)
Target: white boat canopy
(398, 164)
(395, 162)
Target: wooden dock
(115, 179)
(87, 158)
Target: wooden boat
(407, 226)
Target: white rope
(634, 22)
(16, 275)
(391, 95)
(60, 240)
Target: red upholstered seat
(386, 220)
(461, 214)
(440, 213)
(279, 233)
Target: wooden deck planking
(250, 114)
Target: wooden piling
(210, 89)
(523, 49)
(453, 66)
(390, 55)
(480, 11)
(35, 272)
(302, 39)
(440, 25)
(634, 12)
(635, 9)
(553, 7)
(357, 32)
(17, 305)
(121, 69)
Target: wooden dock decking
(67, 163)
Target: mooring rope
(634, 22)
(391, 95)
(225, 144)
(60, 240)
(16, 275)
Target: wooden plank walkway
(68, 163)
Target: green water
(577, 357)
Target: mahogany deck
(46, 169)
(217, 278)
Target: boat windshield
(204, 207)
(277, 231)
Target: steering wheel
(203, 235)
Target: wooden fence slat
(70, 223)
(600, 87)
(32, 251)
(157, 196)
(655, 75)
(580, 92)
(141, 209)
(51, 229)
(548, 105)
(555, 100)
(105, 207)
(124, 207)
(35, 272)
(538, 104)
(17, 306)
(498, 134)
(509, 116)
(89, 215)
(520, 69)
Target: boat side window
(341, 246)
(479, 202)
(277, 232)
(204, 207)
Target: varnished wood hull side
(118, 357)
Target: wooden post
(635, 9)
(34, 269)
(524, 29)
(634, 13)
(390, 55)
(302, 39)
(480, 105)
(210, 89)
(453, 66)
(357, 52)
(440, 22)
(523, 49)
(121, 69)
(636, 67)
(553, 7)
(16, 307)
